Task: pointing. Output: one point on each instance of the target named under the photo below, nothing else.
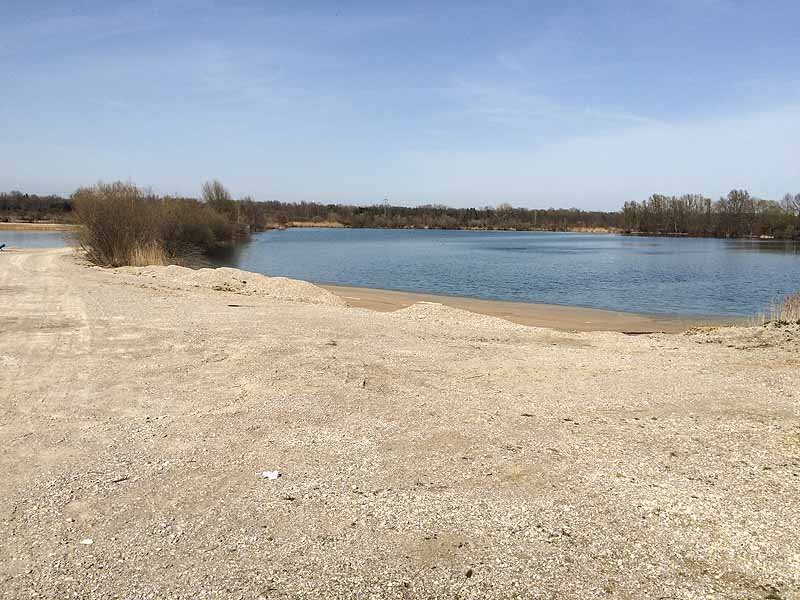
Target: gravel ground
(427, 453)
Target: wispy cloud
(753, 151)
(514, 103)
(52, 30)
(530, 81)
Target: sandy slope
(425, 453)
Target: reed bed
(782, 311)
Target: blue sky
(585, 104)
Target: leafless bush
(121, 224)
(117, 222)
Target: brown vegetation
(121, 224)
(787, 310)
(782, 311)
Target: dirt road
(428, 452)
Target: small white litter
(87, 542)
(270, 474)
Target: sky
(551, 103)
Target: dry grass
(789, 309)
(147, 255)
(785, 310)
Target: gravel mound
(236, 281)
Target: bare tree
(219, 198)
(787, 203)
(215, 192)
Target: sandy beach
(565, 318)
(424, 451)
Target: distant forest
(16, 206)
(737, 215)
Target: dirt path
(429, 452)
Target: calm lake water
(32, 239)
(635, 274)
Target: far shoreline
(46, 226)
(35, 226)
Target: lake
(679, 276)
(32, 239)
(676, 276)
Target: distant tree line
(736, 215)
(503, 216)
(16, 206)
(258, 216)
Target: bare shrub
(190, 227)
(116, 221)
(121, 224)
